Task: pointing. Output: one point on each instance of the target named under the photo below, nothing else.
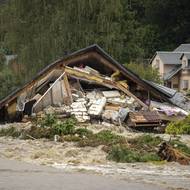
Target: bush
(125, 154)
(83, 132)
(56, 126)
(145, 71)
(48, 121)
(64, 128)
(179, 127)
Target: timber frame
(100, 57)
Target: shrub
(125, 154)
(48, 121)
(179, 127)
(146, 140)
(65, 128)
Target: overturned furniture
(88, 84)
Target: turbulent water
(68, 157)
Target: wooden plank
(68, 89)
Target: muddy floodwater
(69, 158)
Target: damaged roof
(93, 48)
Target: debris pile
(93, 87)
(167, 152)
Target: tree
(145, 71)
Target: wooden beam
(68, 89)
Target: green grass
(83, 132)
(104, 137)
(146, 140)
(123, 154)
(179, 127)
(118, 148)
(11, 131)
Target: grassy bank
(118, 148)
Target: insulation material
(57, 93)
(117, 101)
(97, 107)
(111, 94)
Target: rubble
(90, 86)
(167, 152)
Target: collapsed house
(88, 84)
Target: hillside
(41, 31)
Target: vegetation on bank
(118, 148)
(179, 127)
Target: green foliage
(2, 60)
(66, 127)
(179, 127)
(146, 140)
(107, 137)
(58, 127)
(125, 154)
(145, 71)
(48, 121)
(140, 149)
(8, 81)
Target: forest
(41, 31)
